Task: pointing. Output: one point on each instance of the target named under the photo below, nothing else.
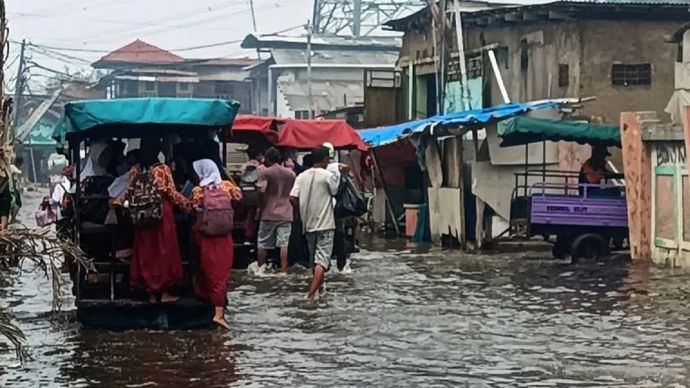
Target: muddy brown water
(399, 319)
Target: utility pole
(357, 18)
(251, 8)
(19, 87)
(309, 92)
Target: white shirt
(315, 189)
(65, 186)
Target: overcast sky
(105, 25)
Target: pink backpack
(217, 216)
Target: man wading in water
(313, 192)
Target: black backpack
(349, 201)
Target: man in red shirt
(274, 185)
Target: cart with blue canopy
(105, 299)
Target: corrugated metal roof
(252, 41)
(630, 9)
(335, 57)
(639, 2)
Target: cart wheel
(559, 250)
(590, 247)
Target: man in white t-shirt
(313, 192)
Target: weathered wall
(529, 58)
(606, 43)
(240, 91)
(670, 204)
(589, 48)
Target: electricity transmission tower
(358, 17)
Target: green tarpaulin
(132, 117)
(526, 130)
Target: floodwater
(440, 319)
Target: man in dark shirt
(274, 185)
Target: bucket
(411, 215)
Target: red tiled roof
(140, 52)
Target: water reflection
(434, 319)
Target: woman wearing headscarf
(156, 263)
(215, 253)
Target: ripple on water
(439, 319)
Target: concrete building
(140, 69)
(656, 169)
(337, 78)
(610, 49)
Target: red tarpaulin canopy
(247, 127)
(308, 134)
(300, 134)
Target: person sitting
(594, 172)
(95, 180)
(216, 251)
(156, 263)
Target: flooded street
(441, 319)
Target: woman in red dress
(156, 262)
(215, 253)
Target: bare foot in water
(221, 322)
(167, 298)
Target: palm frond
(45, 251)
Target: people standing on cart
(123, 229)
(313, 193)
(212, 199)
(274, 185)
(156, 263)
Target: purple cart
(586, 220)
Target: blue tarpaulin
(385, 135)
(477, 117)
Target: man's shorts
(274, 234)
(320, 248)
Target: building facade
(143, 70)
(612, 50)
(338, 64)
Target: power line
(158, 29)
(217, 44)
(154, 22)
